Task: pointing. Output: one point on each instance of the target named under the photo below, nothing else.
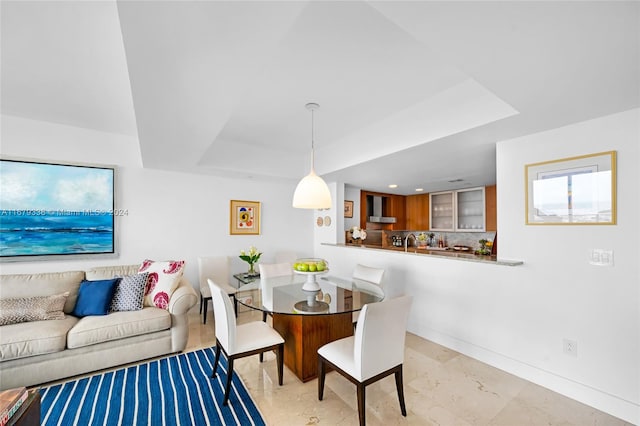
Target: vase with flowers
(358, 235)
(251, 258)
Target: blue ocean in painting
(26, 232)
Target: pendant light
(312, 192)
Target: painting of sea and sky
(55, 209)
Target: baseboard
(610, 404)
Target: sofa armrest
(183, 298)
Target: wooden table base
(304, 334)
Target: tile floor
(442, 387)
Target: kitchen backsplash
(470, 239)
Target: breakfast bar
(446, 254)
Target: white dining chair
(366, 273)
(286, 257)
(238, 341)
(216, 268)
(376, 350)
(272, 270)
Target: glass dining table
(308, 319)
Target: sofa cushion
(42, 284)
(26, 309)
(34, 338)
(106, 272)
(163, 280)
(117, 325)
(94, 297)
(129, 293)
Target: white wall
(170, 215)
(516, 317)
(353, 194)
(332, 218)
(560, 293)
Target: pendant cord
(312, 106)
(312, 144)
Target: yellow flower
(252, 257)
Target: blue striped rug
(176, 390)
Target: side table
(244, 279)
(29, 412)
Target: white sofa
(37, 352)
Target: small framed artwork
(572, 191)
(348, 208)
(244, 218)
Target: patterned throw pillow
(163, 280)
(25, 309)
(129, 293)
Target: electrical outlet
(601, 257)
(570, 347)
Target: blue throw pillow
(94, 297)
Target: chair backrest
(270, 270)
(380, 336)
(214, 267)
(367, 273)
(224, 316)
(266, 293)
(286, 257)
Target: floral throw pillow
(162, 282)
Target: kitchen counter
(447, 254)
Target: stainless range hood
(374, 211)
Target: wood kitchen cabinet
(397, 209)
(393, 206)
(417, 211)
(491, 208)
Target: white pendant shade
(312, 193)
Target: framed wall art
(244, 217)
(54, 211)
(348, 209)
(572, 191)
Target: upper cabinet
(384, 208)
(461, 210)
(417, 207)
(470, 210)
(491, 215)
(442, 211)
(464, 210)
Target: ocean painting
(55, 209)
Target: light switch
(601, 257)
